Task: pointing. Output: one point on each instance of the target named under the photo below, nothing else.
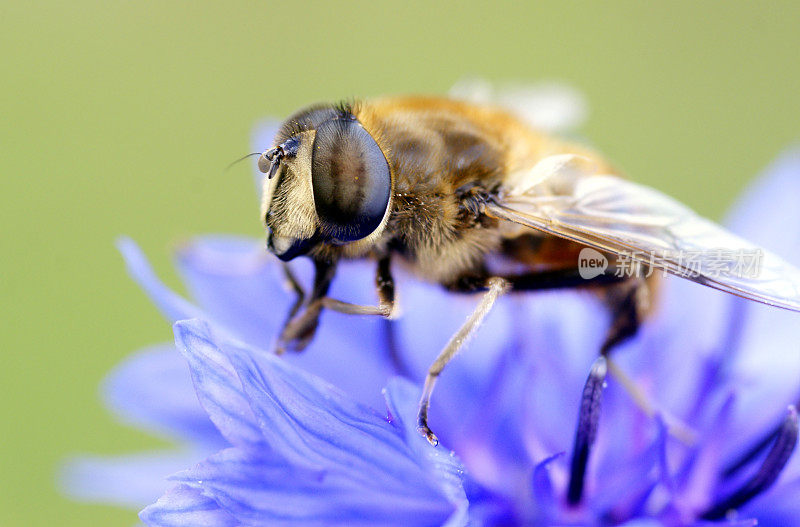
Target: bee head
(328, 182)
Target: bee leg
(300, 329)
(300, 294)
(627, 297)
(628, 302)
(675, 426)
(495, 286)
(544, 280)
(384, 282)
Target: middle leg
(496, 286)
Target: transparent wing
(565, 197)
(549, 106)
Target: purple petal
(311, 423)
(664, 468)
(301, 417)
(184, 506)
(689, 319)
(622, 485)
(152, 389)
(475, 409)
(420, 338)
(402, 398)
(172, 306)
(696, 491)
(334, 446)
(766, 373)
(218, 387)
(263, 493)
(129, 481)
(747, 522)
(642, 522)
(559, 357)
(499, 394)
(543, 492)
(769, 206)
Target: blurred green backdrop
(119, 116)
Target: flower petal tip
(185, 506)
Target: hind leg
(628, 302)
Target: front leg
(299, 329)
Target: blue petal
(529, 327)
(311, 423)
(664, 468)
(689, 320)
(301, 418)
(326, 460)
(218, 387)
(464, 407)
(240, 290)
(621, 485)
(172, 305)
(184, 506)
(402, 398)
(129, 481)
(696, 492)
(543, 492)
(258, 492)
(561, 334)
(769, 206)
(766, 373)
(642, 522)
(152, 389)
(747, 522)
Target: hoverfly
(462, 193)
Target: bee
(471, 197)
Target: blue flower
(307, 439)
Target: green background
(117, 118)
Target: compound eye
(351, 180)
